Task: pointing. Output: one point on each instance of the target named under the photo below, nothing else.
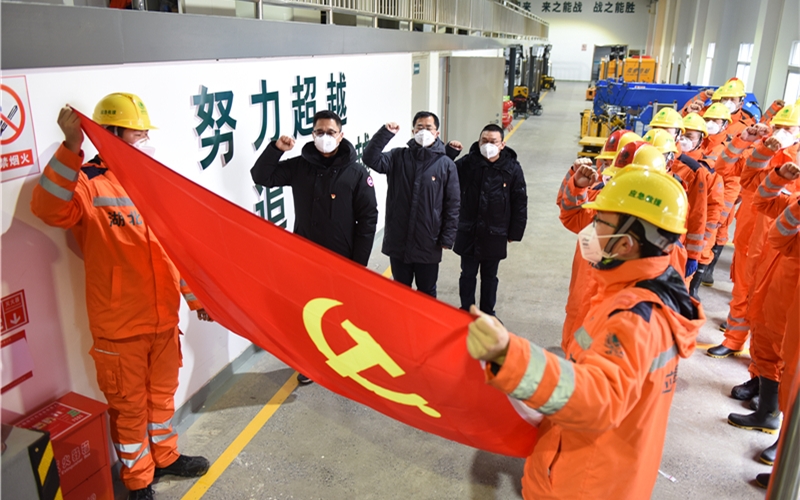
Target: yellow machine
(548, 82)
(523, 91)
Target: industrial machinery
(631, 105)
(525, 74)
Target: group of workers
(475, 205)
(651, 214)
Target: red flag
(349, 329)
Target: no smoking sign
(19, 157)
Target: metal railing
(785, 481)
(475, 17)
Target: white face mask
(489, 150)
(784, 137)
(325, 143)
(685, 144)
(713, 127)
(591, 249)
(424, 138)
(732, 107)
(145, 147)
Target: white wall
(570, 31)
(46, 262)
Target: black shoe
(694, 285)
(142, 494)
(303, 380)
(753, 405)
(768, 456)
(723, 327)
(708, 277)
(720, 351)
(746, 391)
(768, 417)
(185, 466)
(762, 480)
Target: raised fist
(284, 143)
(772, 143)
(584, 176)
(393, 127)
(789, 171)
(455, 145)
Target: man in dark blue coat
(494, 212)
(334, 198)
(421, 203)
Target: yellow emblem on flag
(364, 355)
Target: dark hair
(426, 114)
(327, 114)
(492, 127)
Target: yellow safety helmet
(717, 111)
(732, 88)
(650, 195)
(667, 118)
(715, 97)
(788, 116)
(693, 121)
(615, 142)
(122, 110)
(662, 140)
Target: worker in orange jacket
(769, 153)
(606, 406)
(784, 236)
(698, 145)
(696, 179)
(581, 184)
(132, 295)
(776, 279)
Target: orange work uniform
(776, 278)
(582, 286)
(132, 297)
(738, 154)
(784, 236)
(707, 154)
(607, 410)
(698, 181)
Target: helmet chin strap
(621, 232)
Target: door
(475, 96)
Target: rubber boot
(768, 456)
(768, 417)
(723, 327)
(746, 391)
(762, 480)
(721, 351)
(708, 276)
(753, 405)
(694, 285)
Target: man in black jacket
(422, 201)
(334, 198)
(494, 212)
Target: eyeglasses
(601, 221)
(320, 133)
(429, 128)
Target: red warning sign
(14, 311)
(19, 157)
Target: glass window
(709, 62)
(745, 52)
(792, 92)
(794, 57)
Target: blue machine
(631, 104)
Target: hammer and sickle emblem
(364, 355)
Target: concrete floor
(321, 446)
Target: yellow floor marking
(704, 346)
(388, 272)
(232, 451)
(508, 136)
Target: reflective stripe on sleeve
(533, 374)
(564, 389)
(190, 297)
(783, 229)
(54, 189)
(63, 170)
(790, 218)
